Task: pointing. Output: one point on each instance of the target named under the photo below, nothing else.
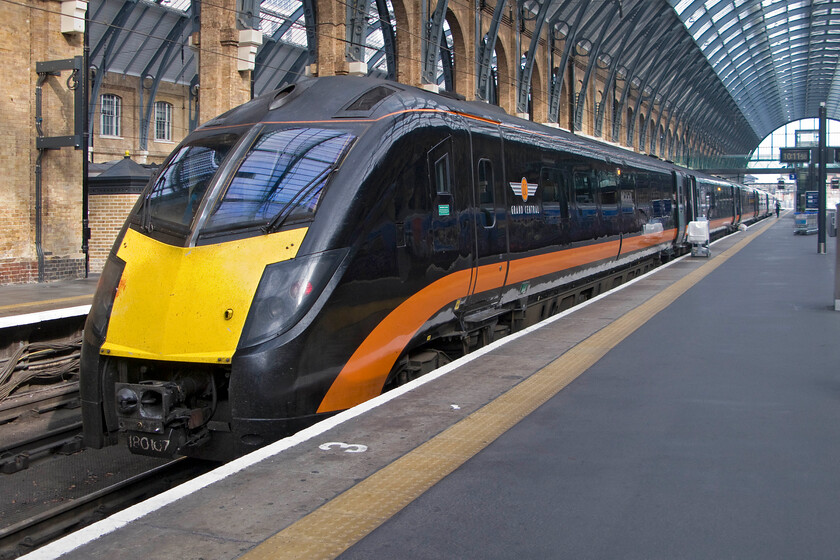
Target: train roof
(355, 99)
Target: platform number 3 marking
(347, 447)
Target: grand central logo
(524, 190)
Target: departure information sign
(812, 200)
(795, 155)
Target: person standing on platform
(778, 208)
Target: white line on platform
(41, 316)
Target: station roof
(753, 64)
(777, 58)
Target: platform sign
(795, 155)
(812, 200)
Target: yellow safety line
(340, 523)
(84, 298)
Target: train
(323, 243)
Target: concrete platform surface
(693, 414)
(22, 304)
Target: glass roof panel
(180, 5)
(784, 51)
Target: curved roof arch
(777, 58)
(732, 70)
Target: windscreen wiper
(281, 216)
(145, 208)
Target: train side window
(608, 187)
(485, 188)
(548, 185)
(584, 188)
(442, 175)
(553, 191)
(627, 184)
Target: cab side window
(485, 191)
(440, 167)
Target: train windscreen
(182, 184)
(280, 178)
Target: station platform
(23, 304)
(692, 413)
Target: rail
(29, 534)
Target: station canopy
(752, 65)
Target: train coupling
(156, 419)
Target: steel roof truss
(165, 56)
(485, 52)
(388, 37)
(523, 84)
(108, 43)
(557, 81)
(432, 40)
(356, 29)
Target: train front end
(212, 261)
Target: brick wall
(107, 214)
(21, 271)
(28, 36)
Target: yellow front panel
(189, 304)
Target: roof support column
(222, 85)
(485, 53)
(593, 59)
(609, 90)
(389, 38)
(558, 75)
(523, 82)
(618, 111)
(108, 42)
(432, 37)
(331, 26)
(357, 31)
(150, 80)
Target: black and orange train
(300, 254)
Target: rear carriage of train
(716, 201)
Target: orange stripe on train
(365, 373)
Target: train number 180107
(148, 444)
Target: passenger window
(485, 187)
(548, 185)
(609, 196)
(627, 182)
(609, 188)
(583, 189)
(553, 191)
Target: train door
(585, 213)
(451, 228)
(693, 199)
(608, 199)
(491, 224)
(683, 186)
(627, 203)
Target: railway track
(40, 411)
(39, 423)
(27, 535)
